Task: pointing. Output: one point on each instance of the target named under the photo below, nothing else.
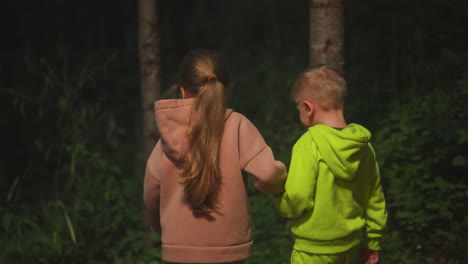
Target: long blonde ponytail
(206, 79)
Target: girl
(194, 189)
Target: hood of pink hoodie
(173, 118)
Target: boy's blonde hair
(322, 84)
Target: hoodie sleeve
(300, 185)
(257, 159)
(152, 190)
(376, 212)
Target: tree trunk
(326, 33)
(148, 47)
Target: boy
(333, 192)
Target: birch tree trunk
(148, 47)
(326, 33)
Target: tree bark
(150, 86)
(326, 33)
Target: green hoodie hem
(328, 246)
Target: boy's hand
(370, 256)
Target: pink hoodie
(217, 237)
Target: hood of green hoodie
(341, 149)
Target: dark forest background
(72, 162)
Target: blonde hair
(204, 76)
(323, 84)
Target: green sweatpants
(348, 257)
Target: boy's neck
(332, 118)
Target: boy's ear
(184, 93)
(309, 107)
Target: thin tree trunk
(326, 33)
(149, 68)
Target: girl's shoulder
(236, 115)
(237, 118)
(243, 126)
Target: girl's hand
(370, 256)
(281, 170)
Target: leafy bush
(422, 147)
(72, 203)
(102, 223)
(272, 240)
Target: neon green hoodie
(333, 191)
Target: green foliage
(272, 240)
(90, 214)
(102, 225)
(422, 151)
